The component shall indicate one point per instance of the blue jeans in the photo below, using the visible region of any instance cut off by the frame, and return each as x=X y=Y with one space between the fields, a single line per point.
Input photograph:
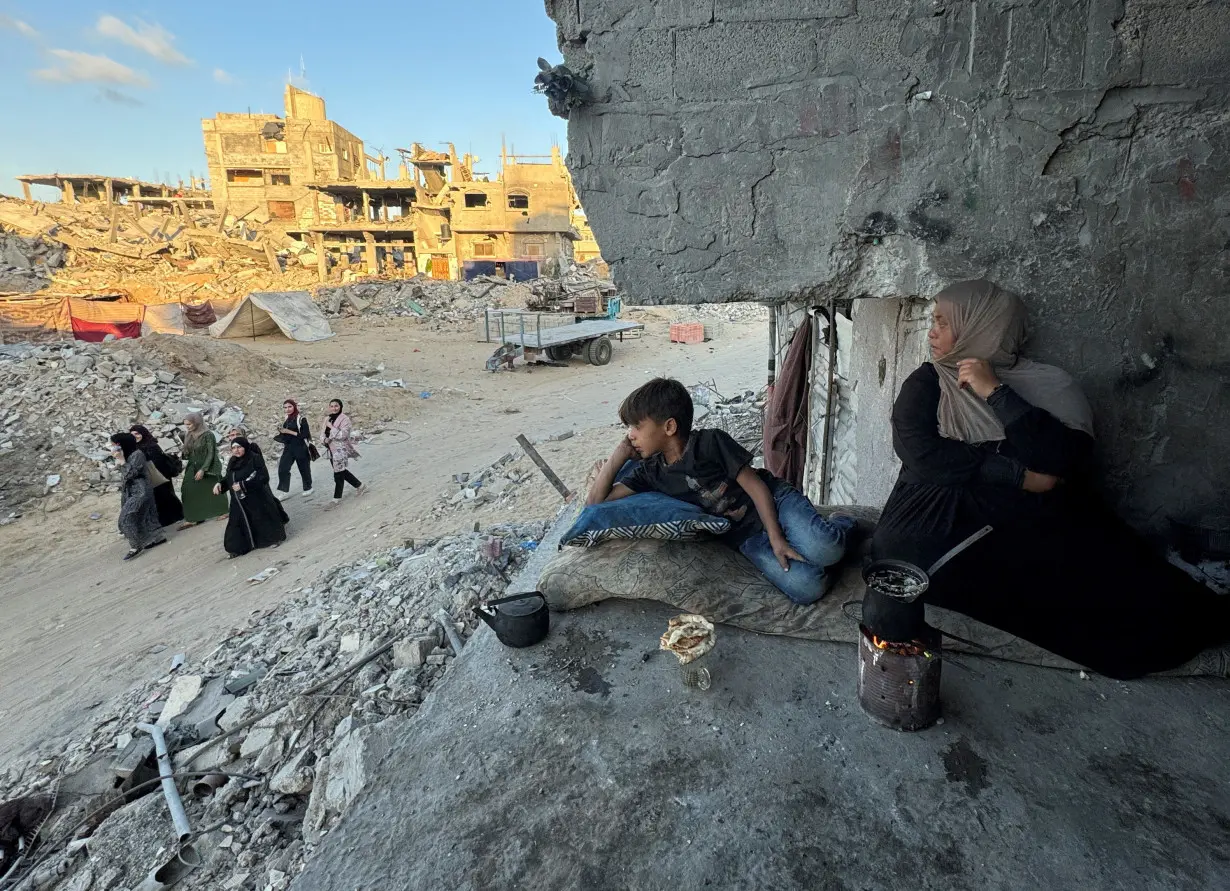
x=822 y=542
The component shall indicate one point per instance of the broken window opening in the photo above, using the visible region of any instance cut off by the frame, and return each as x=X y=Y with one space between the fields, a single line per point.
x=517 y=201
x=484 y=248
x=279 y=178
x=245 y=176
x=476 y=199
x=535 y=250
x=275 y=146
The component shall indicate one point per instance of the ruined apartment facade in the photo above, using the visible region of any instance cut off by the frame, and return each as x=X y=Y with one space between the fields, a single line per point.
x=436 y=216
x=861 y=154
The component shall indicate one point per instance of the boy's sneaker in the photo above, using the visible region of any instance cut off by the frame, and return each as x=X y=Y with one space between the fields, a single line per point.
x=307 y=493
x=333 y=503
x=280 y=495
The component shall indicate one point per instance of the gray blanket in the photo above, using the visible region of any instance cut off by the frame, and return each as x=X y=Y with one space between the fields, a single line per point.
x=720 y=584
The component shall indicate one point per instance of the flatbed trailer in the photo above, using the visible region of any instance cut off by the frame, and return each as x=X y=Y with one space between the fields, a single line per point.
x=521 y=333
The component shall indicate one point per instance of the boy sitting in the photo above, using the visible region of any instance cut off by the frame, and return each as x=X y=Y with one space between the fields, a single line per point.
x=771 y=523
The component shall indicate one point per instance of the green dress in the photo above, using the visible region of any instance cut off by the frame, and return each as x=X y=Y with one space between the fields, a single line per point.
x=200 y=502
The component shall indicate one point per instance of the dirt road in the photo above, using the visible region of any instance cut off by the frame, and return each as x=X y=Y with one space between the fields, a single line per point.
x=78 y=626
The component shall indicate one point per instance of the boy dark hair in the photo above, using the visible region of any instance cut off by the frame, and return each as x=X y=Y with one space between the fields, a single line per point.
x=771 y=523
x=660 y=400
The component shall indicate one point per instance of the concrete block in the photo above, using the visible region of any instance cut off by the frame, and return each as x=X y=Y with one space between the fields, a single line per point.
x=295 y=777
x=139 y=750
x=759 y=11
x=727 y=60
x=633 y=65
x=263 y=734
x=412 y=653
x=637 y=15
x=202 y=716
x=184 y=692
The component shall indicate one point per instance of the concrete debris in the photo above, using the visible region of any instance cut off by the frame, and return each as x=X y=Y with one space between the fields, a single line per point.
x=27 y=264
x=67 y=400
x=295 y=770
x=741 y=416
x=438 y=303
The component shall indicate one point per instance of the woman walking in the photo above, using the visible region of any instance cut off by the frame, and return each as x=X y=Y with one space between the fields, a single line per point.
x=170 y=510
x=257 y=520
x=138 y=521
x=202 y=471
x=295 y=438
x=341 y=450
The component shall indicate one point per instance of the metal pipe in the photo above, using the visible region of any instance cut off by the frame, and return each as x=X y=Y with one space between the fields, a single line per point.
x=772 y=346
x=446 y=623
x=829 y=399
x=174 y=803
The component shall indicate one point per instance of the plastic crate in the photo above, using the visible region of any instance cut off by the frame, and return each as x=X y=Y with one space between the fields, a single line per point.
x=687 y=333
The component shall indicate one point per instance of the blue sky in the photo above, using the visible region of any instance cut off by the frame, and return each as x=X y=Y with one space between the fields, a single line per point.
x=122 y=88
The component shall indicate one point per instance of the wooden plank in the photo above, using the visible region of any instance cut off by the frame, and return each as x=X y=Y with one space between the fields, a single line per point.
x=272 y=256
x=115 y=224
x=543 y=466
x=322 y=262
x=222 y=218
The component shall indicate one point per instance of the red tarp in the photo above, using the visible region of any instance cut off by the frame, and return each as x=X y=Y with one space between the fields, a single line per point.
x=84 y=329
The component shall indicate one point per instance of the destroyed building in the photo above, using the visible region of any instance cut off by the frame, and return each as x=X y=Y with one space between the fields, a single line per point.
x=816 y=155
x=437 y=217
x=112 y=190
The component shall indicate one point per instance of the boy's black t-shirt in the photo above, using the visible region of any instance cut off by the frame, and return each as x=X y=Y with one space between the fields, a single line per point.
x=704 y=476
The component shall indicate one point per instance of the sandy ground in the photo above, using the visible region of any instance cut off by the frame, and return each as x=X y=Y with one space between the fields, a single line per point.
x=78 y=626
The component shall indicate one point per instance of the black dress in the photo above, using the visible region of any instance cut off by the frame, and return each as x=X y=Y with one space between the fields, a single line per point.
x=256 y=518
x=170 y=508
x=1060 y=570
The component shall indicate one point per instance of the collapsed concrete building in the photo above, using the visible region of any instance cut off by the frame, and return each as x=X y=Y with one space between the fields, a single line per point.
x=314 y=178
x=821 y=153
x=112 y=190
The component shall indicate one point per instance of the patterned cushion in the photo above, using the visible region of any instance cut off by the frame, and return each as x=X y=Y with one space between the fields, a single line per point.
x=647 y=515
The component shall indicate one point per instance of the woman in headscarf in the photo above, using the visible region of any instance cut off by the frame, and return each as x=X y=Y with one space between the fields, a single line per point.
x=989 y=437
x=202 y=471
x=341 y=450
x=295 y=438
x=169 y=508
x=242 y=431
x=138 y=520
x=257 y=519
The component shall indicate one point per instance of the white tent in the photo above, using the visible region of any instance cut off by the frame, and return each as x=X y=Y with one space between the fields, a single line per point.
x=264 y=312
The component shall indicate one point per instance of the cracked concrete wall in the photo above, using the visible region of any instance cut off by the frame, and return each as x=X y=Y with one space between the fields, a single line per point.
x=1074 y=150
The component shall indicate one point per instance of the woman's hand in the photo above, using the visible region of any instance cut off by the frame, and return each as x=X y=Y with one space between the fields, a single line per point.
x=235 y=487
x=218 y=489
x=978 y=375
x=1039 y=483
x=199 y=475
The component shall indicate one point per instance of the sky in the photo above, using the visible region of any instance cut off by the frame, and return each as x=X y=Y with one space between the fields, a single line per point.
x=121 y=89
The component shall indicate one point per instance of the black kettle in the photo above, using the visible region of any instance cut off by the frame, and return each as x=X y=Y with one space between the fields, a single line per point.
x=519 y=620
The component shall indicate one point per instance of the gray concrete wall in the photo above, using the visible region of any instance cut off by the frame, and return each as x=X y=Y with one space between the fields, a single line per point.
x=1074 y=150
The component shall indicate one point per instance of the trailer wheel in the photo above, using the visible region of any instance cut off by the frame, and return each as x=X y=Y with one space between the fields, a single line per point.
x=598 y=351
x=559 y=353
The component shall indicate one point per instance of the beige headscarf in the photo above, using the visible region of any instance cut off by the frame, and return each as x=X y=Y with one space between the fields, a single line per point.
x=990 y=323
x=195 y=430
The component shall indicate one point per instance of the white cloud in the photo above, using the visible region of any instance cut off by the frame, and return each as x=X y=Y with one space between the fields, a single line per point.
x=224 y=77
x=74 y=67
x=152 y=39
x=19 y=26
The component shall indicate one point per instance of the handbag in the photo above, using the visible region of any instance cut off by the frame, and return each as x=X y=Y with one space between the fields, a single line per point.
x=156 y=478
x=313 y=452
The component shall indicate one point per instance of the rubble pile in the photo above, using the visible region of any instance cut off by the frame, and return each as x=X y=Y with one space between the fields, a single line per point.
x=741 y=416
x=273 y=723
x=499 y=483
x=579 y=290
x=437 y=302
x=159 y=257
x=27 y=264
x=60 y=405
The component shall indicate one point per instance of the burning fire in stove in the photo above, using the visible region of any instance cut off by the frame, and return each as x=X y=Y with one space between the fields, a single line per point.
x=911 y=648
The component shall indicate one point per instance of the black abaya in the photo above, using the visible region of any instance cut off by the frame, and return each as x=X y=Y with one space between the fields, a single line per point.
x=256 y=518
x=1059 y=570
